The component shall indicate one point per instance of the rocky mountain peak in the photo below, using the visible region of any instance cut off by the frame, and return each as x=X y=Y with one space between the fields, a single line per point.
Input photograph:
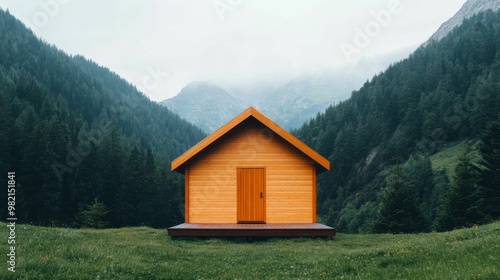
x=201 y=89
x=470 y=8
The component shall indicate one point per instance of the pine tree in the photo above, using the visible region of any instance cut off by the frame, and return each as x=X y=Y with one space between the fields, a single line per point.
x=419 y=170
x=398 y=212
x=5 y=140
x=461 y=206
x=41 y=185
x=442 y=185
x=149 y=193
x=130 y=196
x=95 y=215
x=490 y=176
x=111 y=170
x=169 y=199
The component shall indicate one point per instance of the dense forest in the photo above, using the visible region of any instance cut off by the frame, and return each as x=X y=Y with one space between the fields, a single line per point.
x=381 y=140
x=88 y=149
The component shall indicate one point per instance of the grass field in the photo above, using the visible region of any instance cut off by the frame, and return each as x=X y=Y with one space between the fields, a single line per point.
x=144 y=253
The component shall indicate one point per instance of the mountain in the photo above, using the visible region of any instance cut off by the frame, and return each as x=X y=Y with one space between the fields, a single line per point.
x=299 y=100
x=470 y=8
x=80 y=139
x=205 y=105
x=208 y=106
x=387 y=135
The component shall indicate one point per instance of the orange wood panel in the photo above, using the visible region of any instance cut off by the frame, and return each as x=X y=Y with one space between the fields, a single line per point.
x=186 y=195
x=314 y=194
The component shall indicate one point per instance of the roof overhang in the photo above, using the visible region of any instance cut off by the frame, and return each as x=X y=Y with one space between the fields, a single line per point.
x=321 y=163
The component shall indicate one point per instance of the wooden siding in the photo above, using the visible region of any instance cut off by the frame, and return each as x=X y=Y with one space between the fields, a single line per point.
x=314 y=194
x=213 y=177
x=186 y=195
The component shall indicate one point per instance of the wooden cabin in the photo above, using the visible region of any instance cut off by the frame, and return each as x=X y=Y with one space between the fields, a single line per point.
x=250 y=173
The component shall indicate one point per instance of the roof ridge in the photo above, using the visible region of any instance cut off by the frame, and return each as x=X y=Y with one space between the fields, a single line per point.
x=178 y=163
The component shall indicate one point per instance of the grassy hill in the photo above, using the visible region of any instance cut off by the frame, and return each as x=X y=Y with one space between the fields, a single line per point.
x=447 y=158
x=145 y=253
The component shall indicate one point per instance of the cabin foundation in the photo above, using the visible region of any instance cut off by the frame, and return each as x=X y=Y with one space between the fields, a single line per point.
x=252 y=230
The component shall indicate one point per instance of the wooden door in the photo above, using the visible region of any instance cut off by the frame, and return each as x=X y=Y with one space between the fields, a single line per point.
x=251 y=195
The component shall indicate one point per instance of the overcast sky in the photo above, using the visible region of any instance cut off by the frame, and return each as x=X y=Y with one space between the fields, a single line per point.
x=161 y=45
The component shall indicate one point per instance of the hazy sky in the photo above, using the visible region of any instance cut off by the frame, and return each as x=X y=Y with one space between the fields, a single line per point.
x=161 y=45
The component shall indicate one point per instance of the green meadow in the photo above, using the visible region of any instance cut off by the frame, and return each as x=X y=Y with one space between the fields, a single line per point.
x=145 y=253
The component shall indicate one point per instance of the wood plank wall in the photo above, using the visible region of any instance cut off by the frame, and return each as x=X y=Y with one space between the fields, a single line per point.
x=212 y=177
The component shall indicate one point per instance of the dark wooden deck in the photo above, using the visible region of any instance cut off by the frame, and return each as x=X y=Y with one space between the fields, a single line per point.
x=251 y=230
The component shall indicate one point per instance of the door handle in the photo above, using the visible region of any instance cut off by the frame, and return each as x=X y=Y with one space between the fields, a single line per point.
x=260 y=194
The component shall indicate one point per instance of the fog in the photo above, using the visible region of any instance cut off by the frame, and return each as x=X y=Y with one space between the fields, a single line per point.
x=160 y=46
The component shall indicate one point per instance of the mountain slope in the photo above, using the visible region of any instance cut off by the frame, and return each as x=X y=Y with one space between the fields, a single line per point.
x=76 y=133
x=470 y=8
x=444 y=92
x=205 y=105
x=299 y=100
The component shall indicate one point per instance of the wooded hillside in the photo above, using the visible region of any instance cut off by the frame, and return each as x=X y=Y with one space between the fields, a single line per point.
x=86 y=146
x=382 y=137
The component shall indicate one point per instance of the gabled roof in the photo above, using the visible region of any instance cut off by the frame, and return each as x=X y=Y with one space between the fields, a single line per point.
x=179 y=163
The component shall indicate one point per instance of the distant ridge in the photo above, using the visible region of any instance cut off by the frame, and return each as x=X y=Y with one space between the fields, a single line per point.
x=208 y=106
x=470 y=8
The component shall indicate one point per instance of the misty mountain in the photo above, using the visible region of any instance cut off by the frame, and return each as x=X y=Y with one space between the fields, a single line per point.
x=470 y=8
x=299 y=100
x=208 y=106
x=205 y=105
x=289 y=104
